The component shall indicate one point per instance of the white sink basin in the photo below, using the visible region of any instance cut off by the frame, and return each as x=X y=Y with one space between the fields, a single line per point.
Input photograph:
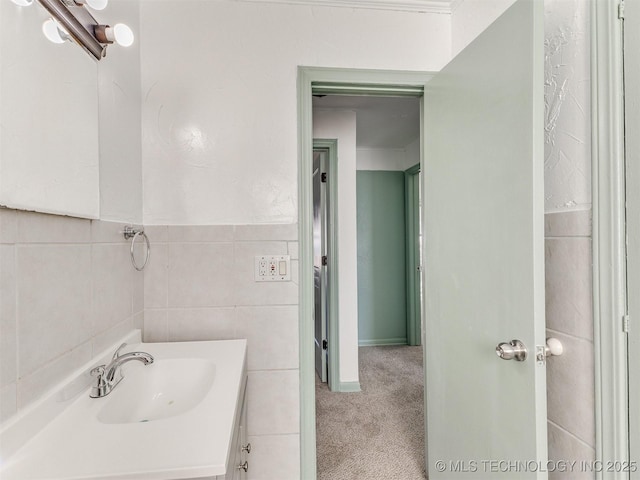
x=163 y=389
x=170 y=419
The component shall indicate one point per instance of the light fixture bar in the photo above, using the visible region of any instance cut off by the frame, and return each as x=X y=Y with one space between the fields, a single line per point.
x=72 y=25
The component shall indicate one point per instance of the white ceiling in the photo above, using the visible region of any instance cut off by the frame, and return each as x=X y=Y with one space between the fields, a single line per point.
x=382 y=122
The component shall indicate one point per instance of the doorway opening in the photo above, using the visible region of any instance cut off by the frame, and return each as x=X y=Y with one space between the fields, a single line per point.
x=330 y=81
x=483 y=117
x=377 y=140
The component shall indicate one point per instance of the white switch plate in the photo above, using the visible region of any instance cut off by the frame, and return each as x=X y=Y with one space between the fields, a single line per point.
x=273 y=268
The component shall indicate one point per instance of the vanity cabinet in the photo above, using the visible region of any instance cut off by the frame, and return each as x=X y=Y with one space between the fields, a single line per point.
x=238 y=461
x=240 y=447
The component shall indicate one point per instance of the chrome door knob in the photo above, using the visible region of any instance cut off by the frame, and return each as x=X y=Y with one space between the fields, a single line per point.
x=513 y=350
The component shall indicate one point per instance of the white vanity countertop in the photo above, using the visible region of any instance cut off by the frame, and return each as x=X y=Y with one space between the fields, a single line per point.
x=77 y=445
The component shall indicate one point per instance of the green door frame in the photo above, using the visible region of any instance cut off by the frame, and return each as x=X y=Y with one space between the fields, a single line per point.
x=411 y=194
x=332 y=80
x=609 y=239
x=632 y=183
x=333 y=335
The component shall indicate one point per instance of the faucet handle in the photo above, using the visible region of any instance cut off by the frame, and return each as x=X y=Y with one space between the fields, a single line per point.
x=100 y=388
x=117 y=352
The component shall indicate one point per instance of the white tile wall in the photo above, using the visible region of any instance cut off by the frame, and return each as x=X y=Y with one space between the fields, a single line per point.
x=199 y=285
x=272 y=336
x=113 y=292
x=570 y=386
x=565 y=447
x=568 y=224
x=568 y=286
x=200 y=275
x=8 y=325
x=212 y=323
x=8 y=401
x=274 y=404
x=155 y=325
x=67 y=291
x=8 y=225
x=274 y=457
x=156 y=275
x=53 y=302
x=36 y=384
x=570 y=377
x=34 y=228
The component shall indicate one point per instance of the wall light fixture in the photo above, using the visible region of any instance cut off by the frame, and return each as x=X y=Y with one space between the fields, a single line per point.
x=70 y=20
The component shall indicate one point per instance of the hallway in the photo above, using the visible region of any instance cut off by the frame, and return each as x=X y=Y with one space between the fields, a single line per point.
x=377 y=433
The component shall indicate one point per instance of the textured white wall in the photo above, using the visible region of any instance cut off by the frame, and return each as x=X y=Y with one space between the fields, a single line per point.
x=341 y=125
x=567 y=106
x=567 y=92
x=219 y=97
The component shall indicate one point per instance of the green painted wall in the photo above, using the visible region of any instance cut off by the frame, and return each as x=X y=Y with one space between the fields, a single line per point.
x=382 y=296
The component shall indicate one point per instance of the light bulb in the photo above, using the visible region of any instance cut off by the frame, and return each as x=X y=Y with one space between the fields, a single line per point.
x=119 y=33
x=123 y=35
x=97 y=4
x=54 y=32
x=22 y=3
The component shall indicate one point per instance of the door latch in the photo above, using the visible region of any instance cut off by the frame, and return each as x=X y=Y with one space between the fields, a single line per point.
x=553 y=347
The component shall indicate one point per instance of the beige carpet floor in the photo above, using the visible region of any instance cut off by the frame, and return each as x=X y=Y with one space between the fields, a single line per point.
x=378 y=433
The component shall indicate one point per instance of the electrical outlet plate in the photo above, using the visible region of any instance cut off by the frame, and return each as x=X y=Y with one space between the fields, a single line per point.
x=272 y=268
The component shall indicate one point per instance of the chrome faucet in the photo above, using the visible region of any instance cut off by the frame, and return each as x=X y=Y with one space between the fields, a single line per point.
x=110 y=375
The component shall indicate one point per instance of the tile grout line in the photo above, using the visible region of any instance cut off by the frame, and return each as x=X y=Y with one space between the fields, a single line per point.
x=560 y=427
x=590 y=340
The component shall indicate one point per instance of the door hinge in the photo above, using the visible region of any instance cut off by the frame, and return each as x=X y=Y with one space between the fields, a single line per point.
x=621 y=10
x=625 y=323
x=323 y=177
x=325 y=261
x=325 y=344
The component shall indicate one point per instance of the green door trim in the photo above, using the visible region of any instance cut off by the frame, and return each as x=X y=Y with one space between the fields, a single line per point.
x=306 y=76
x=609 y=225
x=333 y=319
x=632 y=184
x=412 y=256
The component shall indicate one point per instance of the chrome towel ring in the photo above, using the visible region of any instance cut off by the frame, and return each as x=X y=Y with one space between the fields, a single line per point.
x=132 y=233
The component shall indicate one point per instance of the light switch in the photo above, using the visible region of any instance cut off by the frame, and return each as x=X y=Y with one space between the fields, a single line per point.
x=272 y=268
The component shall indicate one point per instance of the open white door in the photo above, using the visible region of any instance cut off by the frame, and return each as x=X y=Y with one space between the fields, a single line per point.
x=484 y=254
x=319 y=266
